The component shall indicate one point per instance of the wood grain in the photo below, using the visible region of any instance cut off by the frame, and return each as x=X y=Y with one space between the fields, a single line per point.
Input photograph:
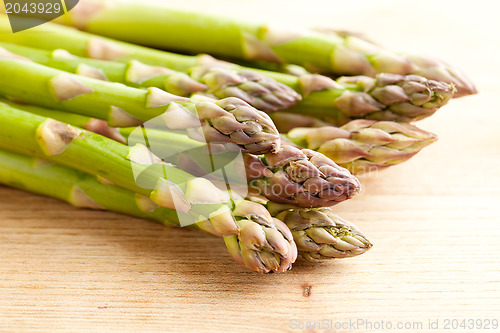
x=434 y=221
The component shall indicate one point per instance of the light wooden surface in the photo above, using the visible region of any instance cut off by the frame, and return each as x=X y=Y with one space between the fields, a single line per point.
x=434 y=221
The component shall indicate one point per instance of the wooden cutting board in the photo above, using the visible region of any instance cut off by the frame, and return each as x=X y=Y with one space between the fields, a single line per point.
x=434 y=222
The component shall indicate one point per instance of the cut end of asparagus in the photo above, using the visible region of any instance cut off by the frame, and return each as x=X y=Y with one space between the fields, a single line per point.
x=303 y=177
x=65 y=87
x=54 y=137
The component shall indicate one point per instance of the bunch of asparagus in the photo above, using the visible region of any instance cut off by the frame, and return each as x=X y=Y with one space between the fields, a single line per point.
x=105 y=124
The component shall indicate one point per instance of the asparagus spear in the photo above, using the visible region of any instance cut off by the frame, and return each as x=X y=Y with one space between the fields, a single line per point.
x=256 y=240
x=359 y=146
x=133 y=168
x=227 y=120
x=212 y=78
x=322 y=96
x=364 y=145
x=302 y=177
x=385 y=97
x=95 y=125
x=428 y=66
x=161 y=27
x=318 y=232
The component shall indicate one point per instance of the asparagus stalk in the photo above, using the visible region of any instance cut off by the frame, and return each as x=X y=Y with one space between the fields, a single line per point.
x=322 y=96
x=360 y=146
x=294 y=176
x=227 y=120
x=428 y=66
x=95 y=125
x=364 y=145
x=318 y=232
x=390 y=97
x=161 y=27
x=301 y=177
x=132 y=168
x=256 y=240
x=211 y=78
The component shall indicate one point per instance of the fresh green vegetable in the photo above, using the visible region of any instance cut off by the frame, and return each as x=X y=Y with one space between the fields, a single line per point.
x=196 y=32
x=254 y=239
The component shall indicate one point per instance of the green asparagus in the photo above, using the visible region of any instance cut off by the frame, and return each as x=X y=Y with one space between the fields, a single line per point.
x=386 y=97
x=318 y=232
x=157 y=26
x=301 y=177
x=132 y=168
x=227 y=120
x=212 y=78
x=364 y=145
x=255 y=239
x=430 y=67
x=295 y=176
x=359 y=146
x=322 y=96
x=95 y=125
